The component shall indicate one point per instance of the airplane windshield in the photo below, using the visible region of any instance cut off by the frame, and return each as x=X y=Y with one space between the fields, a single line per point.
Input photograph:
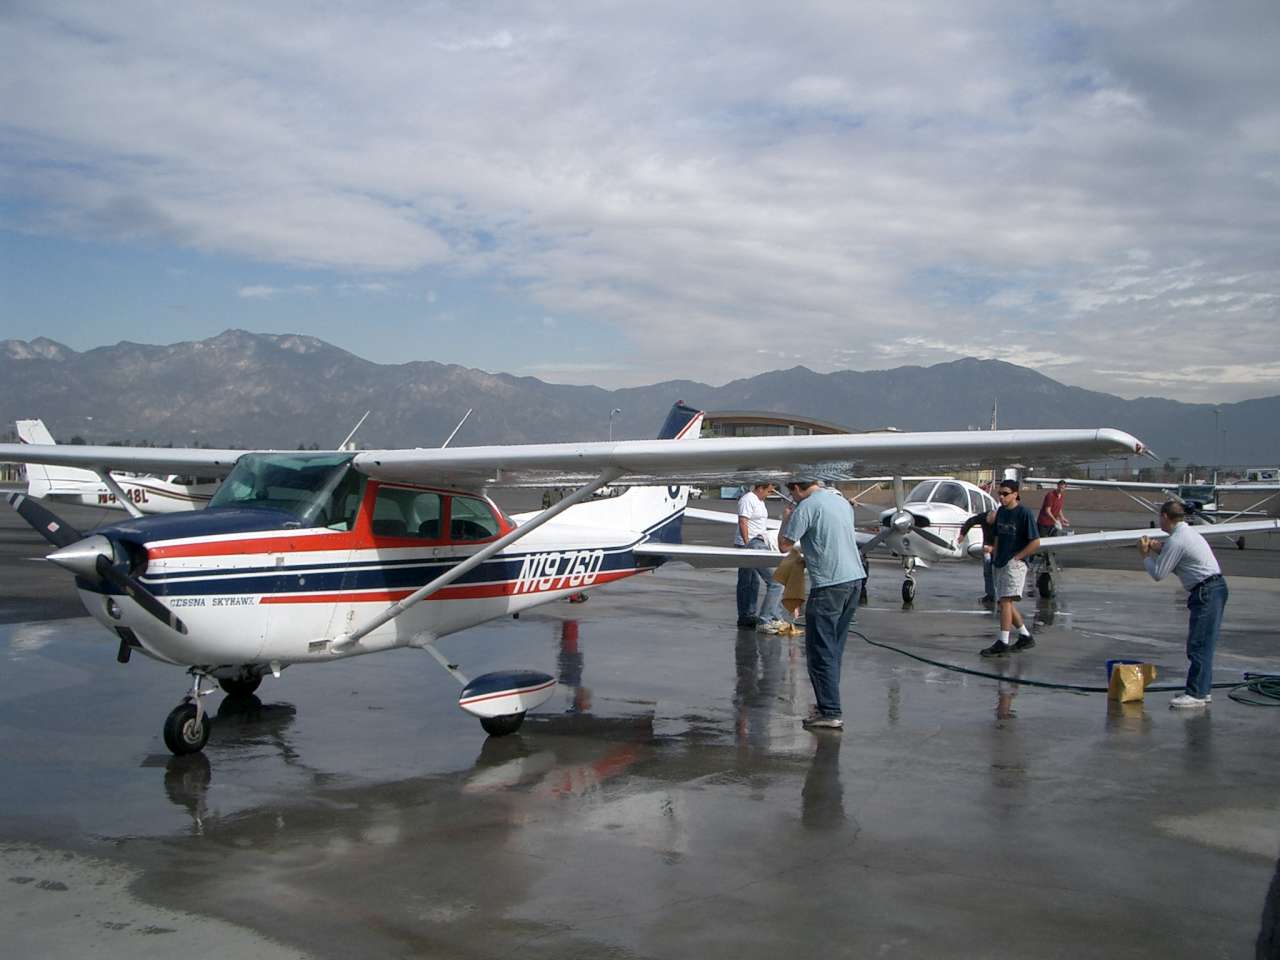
x=951 y=493
x=321 y=490
x=920 y=492
x=1199 y=492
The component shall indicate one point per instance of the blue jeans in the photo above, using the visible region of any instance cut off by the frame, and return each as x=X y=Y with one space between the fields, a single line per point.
x=988 y=577
x=749 y=580
x=827 y=615
x=1206 y=604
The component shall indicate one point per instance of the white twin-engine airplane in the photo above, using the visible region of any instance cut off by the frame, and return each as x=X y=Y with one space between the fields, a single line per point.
x=133 y=493
x=315 y=557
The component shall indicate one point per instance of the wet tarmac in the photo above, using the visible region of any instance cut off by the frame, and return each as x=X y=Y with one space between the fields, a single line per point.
x=666 y=801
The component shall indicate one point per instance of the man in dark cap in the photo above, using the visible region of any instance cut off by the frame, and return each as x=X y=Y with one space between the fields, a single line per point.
x=822 y=523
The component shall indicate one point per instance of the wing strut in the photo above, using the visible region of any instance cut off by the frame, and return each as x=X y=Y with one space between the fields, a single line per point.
x=606 y=477
x=121 y=497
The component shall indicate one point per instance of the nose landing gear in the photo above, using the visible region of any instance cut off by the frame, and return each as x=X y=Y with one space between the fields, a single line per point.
x=186 y=729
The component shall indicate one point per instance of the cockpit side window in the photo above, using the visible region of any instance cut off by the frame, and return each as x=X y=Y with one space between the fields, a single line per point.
x=951 y=493
x=472 y=519
x=400 y=512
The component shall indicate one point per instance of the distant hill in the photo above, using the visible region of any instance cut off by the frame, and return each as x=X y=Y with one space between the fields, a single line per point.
x=246 y=389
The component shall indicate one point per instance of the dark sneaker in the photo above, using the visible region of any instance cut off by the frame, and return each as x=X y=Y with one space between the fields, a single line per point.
x=1024 y=643
x=747 y=623
x=986 y=599
x=997 y=649
x=820 y=721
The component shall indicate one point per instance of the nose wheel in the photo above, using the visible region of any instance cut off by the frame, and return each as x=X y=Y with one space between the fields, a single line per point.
x=186 y=729
x=909 y=590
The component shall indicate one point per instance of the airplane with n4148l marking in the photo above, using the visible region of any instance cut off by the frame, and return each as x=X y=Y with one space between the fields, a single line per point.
x=316 y=557
x=99 y=487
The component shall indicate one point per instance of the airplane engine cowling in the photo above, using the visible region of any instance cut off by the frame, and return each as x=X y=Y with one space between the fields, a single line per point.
x=505 y=692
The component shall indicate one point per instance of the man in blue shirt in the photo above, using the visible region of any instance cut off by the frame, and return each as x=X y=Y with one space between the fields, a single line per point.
x=1016 y=539
x=822 y=523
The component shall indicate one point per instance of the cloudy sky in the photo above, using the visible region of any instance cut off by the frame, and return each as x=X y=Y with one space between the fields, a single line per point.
x=610 y=193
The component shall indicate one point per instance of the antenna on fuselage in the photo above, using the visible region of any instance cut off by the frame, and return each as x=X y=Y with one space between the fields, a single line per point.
x=344 y=444
x=457 y=428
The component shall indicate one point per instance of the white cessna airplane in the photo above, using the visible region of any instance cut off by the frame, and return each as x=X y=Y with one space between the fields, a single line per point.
x=308 y=557
x=104 y=488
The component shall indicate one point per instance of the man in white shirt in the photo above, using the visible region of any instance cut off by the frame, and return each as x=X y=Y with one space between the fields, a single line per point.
x=753 y=526
x=1188 y=555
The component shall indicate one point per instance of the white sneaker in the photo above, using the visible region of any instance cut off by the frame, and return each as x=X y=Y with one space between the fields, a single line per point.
x=774 y=626
x=1185 y=701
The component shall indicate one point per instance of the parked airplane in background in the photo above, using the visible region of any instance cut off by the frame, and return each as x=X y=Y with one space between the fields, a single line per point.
x=1202 y=501
x=922 y=527
x=135 y=493
x=313 y=557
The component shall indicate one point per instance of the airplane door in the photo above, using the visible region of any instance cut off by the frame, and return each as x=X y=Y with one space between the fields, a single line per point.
x=398 y=538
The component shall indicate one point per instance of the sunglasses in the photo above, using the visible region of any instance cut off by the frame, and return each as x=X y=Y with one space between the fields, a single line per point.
x=1007 y=493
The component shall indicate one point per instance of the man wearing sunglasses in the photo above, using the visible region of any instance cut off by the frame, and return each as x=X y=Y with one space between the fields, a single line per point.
x=1016 y=539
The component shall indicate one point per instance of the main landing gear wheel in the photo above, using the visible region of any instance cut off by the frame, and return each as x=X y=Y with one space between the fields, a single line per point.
x=908 y=591
x=1044 y=584
x=186 y=730
x=240 y=687
x=501 y=726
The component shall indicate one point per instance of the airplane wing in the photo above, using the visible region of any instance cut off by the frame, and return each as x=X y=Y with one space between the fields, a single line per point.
x=1042 y=482
x=830 y=457
x=723 y=516
x=155 y=460
x=1119 y=537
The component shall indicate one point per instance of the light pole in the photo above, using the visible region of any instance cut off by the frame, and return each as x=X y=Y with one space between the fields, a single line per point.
x=1217 y=414
x=613 y=413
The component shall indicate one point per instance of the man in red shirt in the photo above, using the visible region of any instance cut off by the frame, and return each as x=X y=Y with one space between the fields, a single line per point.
x=1051 y=518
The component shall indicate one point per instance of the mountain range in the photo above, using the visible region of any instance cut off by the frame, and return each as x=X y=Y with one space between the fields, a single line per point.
x=242 y=389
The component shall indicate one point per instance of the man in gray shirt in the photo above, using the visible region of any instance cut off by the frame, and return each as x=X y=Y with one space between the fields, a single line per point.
x=1187 y=554
x=823 y=524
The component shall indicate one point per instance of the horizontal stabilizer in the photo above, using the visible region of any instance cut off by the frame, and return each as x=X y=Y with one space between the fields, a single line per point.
x=700 y=556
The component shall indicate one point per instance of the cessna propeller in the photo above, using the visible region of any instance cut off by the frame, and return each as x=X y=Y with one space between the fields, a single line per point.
x=93 y=557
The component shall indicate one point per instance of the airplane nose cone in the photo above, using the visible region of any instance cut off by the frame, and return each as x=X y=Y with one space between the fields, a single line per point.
x=902 y=521
x=81 y=558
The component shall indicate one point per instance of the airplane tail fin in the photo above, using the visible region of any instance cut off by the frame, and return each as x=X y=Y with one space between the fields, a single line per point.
x=44 y=480
x=656 y=511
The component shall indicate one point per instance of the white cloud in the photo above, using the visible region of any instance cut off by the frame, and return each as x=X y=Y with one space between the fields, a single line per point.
x=847 y=183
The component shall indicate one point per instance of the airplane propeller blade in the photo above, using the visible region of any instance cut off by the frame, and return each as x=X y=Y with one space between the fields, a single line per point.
x=138 y=593
x=933 y=538
x=44 y=521
x=878 y=539
x=95 y=556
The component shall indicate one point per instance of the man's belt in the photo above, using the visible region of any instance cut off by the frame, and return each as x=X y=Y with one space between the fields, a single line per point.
x=1207 y=580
